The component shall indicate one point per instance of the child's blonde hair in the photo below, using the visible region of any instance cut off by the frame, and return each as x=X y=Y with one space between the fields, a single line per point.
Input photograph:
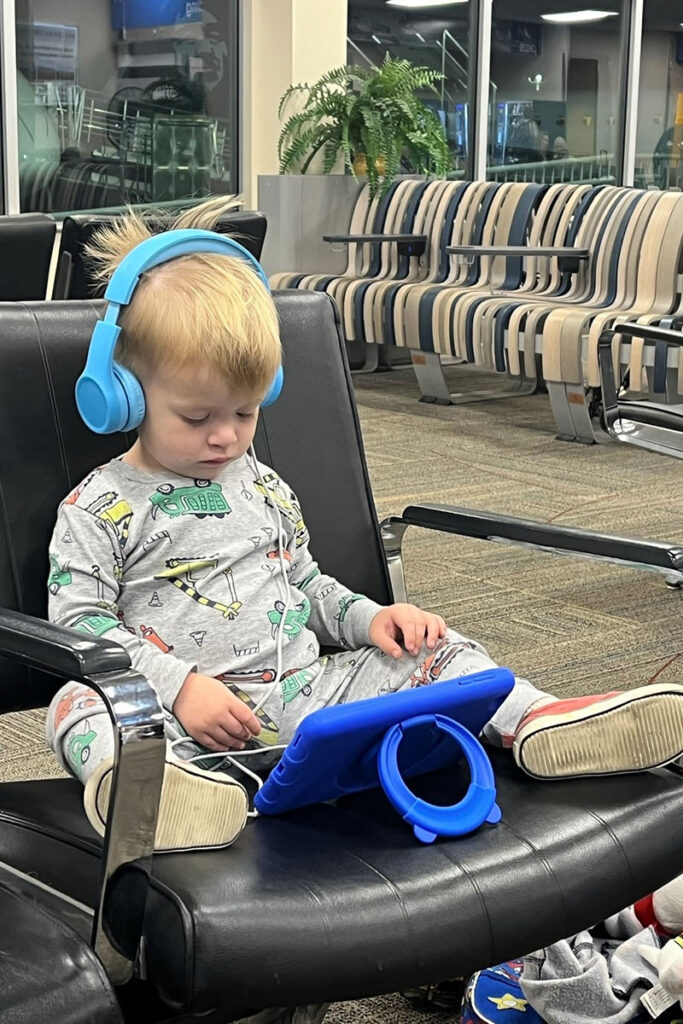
x=199 y=307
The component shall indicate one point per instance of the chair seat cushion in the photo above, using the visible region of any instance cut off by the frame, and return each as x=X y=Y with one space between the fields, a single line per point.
x=47 y=970
x=339 y=901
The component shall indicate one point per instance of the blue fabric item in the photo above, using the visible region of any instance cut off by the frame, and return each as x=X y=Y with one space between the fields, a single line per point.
x=494 y=996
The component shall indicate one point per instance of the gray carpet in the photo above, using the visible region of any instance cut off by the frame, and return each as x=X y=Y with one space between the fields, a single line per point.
x=571 y=626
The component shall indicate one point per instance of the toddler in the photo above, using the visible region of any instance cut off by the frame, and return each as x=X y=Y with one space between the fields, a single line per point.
x=194 y=556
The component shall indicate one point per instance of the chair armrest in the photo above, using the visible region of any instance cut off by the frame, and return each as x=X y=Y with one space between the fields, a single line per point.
x=648 y=331
x=139 y=751
x=643 y=424
x=408 y=245
x=568 y=258
x=657 y=556
x=63 y=652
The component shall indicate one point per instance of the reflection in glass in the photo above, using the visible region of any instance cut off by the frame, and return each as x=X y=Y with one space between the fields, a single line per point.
x=127 y=101
x=433 y=37
x=659 y=138
x=553 y=107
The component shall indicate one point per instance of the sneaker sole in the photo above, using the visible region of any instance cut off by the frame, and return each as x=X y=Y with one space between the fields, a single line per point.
x=632 y=732
x=195 y=812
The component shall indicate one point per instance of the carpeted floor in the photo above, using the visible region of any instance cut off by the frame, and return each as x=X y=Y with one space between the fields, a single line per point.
x=570 y=625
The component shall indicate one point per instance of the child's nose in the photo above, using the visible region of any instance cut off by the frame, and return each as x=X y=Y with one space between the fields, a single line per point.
x=222 y=436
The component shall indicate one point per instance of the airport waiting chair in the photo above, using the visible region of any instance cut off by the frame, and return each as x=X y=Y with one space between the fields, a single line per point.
x=25 y=251
x=477 y=325
x=633 y=244
x=365 y=216
x=385 y=240
x=48 y=972
x=328 y=902
x=72 y=277
x=640 y=366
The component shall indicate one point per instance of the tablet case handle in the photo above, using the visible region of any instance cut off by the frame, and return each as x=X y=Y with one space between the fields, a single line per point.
x=432 y=820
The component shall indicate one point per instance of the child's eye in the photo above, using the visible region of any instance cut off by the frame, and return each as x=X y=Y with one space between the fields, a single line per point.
x=191 y=419
x=247 y=415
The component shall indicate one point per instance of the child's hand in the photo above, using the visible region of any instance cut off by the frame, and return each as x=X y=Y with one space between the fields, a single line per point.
x=408 y=623
x=214 y=716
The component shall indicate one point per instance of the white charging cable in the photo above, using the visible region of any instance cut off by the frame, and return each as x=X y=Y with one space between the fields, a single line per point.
x=231 y=755
x=281 y=542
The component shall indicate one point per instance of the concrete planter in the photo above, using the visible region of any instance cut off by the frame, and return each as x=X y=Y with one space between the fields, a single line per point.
x=301 y=208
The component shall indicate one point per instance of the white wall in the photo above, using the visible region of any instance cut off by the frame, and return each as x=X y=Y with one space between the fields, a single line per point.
x=283 y=42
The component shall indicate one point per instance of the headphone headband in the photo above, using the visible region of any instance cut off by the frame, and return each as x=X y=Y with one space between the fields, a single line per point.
x=169 y=245
x=108 y=395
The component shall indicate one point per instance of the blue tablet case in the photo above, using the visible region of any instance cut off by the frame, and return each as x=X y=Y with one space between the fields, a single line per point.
x=335 y=750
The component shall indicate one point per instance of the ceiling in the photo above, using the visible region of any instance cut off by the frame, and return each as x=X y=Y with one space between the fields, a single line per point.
x=659 y=14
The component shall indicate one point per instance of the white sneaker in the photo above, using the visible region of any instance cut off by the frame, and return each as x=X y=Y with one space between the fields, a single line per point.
x=197 y=809
x=604 y=734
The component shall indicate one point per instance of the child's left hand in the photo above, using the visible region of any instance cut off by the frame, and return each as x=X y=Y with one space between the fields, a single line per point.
x=408 y=623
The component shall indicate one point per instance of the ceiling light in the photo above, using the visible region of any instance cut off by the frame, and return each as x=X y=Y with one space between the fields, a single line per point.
x=574 y=17
x=420 y=4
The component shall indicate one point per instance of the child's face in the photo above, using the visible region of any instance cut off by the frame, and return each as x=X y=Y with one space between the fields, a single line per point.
x=195 y=424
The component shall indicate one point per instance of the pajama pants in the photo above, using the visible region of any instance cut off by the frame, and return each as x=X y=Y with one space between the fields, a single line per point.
x=81 y=733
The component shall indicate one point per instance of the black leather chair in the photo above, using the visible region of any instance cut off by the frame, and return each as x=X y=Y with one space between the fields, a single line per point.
x=325 y=903
x=72 y=279
x=25 y=251
x=48 y=972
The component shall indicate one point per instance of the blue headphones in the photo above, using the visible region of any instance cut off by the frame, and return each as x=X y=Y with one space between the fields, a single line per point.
x=108 y=395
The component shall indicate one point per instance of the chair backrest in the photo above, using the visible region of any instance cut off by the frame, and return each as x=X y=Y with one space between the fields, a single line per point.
x=311 y=436
x=25 y=251
x=73 y=280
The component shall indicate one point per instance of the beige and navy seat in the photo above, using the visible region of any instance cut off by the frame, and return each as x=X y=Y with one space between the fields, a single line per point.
x=365 y=216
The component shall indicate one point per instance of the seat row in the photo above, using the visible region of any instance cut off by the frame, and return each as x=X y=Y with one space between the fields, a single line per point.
x=28 y=243
x=538 y=272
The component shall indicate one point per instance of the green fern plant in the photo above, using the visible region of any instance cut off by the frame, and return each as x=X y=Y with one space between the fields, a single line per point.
x=353 y=110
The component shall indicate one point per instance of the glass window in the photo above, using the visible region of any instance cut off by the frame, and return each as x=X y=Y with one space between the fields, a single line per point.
x=429 y=36
x=659 y=139
x=125 y=101
x=554 y=94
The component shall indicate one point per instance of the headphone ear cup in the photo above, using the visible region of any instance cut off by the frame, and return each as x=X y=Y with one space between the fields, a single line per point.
x=133 y=395
x=274 y=389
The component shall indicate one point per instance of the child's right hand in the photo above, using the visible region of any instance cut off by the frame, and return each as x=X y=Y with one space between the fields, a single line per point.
x=214 y=716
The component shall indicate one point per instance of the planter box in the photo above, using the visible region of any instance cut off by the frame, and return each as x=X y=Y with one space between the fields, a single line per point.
x=301 y=208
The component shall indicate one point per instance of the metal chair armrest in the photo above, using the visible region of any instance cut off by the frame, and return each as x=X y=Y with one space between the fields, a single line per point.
x=631 y=422
x=561 y=540
x=408 y=245
x=64 y=652
x=139 y=751
x=651 y=332
x=567 y=256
